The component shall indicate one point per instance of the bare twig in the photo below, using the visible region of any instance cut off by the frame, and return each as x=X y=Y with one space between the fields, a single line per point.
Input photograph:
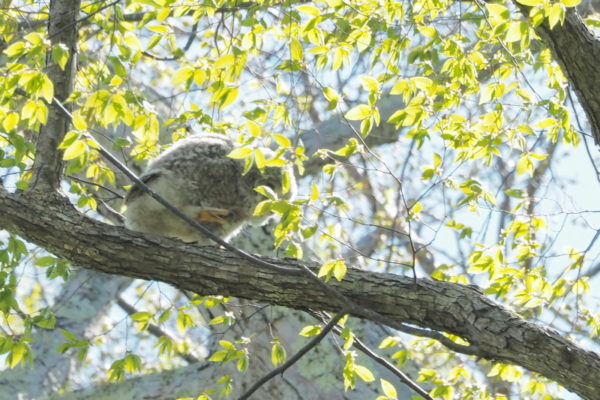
x=281 y=369
x=155 y=330
x=380 y=360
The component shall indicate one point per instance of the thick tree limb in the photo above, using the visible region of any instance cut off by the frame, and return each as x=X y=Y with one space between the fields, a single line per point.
x=496 y=333
x=62 y=30
x=577 y=51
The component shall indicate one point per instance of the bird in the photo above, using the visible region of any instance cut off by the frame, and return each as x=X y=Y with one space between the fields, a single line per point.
x=198 y=178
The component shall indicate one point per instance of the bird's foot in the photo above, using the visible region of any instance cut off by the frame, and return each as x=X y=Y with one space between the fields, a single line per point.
x=211 y=214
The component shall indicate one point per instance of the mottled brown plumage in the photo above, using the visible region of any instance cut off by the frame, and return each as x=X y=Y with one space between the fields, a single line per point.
x=197 y=177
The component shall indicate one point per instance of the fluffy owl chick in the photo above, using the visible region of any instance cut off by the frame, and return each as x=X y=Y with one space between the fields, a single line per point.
x=197 y=177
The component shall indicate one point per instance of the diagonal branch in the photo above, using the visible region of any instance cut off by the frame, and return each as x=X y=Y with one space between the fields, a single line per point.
x=381 y=361
x=493 y=331
x=305 y=349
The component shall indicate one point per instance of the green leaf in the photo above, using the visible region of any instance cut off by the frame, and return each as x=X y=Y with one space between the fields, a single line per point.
x=296 y=50
x=332 y=96
x=254 y=129
x=339 y=270
x=240 y=152
x=555 y=14
x=369 y=83
x=326 y=269
x=225 y=61
x=75 y=150
x=60 y=55
x=531 y=3
x=47 y=89
x=141 y=316
x=278 y=353
x=17 y=354
x=309 y=10
x=183 y=75
x=45 y=261
x=10 y=121
x=68 y=335
x=132 y=363
x=282 y=140
x=259 y=159
x=314 y=192
x=310 y=330
x=364 y=373
x=388 y=389
x=546 y=123
x=515 y=31
x=359 y=112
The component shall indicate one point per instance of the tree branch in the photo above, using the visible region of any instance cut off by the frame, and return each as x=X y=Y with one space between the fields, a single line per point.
x=495 y=332
x=577 y=51
x=292 y=360
x=62 y=30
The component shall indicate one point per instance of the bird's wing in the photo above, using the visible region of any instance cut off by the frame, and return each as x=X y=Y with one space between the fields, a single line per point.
x=147 y=177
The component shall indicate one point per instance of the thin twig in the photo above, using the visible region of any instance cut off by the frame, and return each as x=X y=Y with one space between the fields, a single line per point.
x=382 y=361
x=156 y=330
x=281 y=369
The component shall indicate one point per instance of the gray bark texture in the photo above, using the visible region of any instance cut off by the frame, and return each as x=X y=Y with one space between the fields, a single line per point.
x=493 y=331
x=62 y=30
x=577 y=51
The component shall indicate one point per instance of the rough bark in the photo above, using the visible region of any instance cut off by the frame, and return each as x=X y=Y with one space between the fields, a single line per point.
x=492 y=331
x=62 y=30
x=577 y=51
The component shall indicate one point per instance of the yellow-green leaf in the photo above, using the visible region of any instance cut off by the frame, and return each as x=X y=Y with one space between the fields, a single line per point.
x=388 y=389
x=339 y=271
x=309 y=10
x=546 y=123
x=310 y=330
x=259 y=159
x=281 y=140
x=359 y=112
x=60 y=55
x=47 y=89
x=240 y=152
x=163 y=14
x=326 y=269
x=364 y=373
x=226 y=61
x=514 y=32
x=278 y=354
x=369 y=83
x=15 y=49
x=10 y=121
x=530 y=3
x=78 y=121
x=296 y=50
x=183 y=75
x=199 y=77
x=555 y=14
x=254 y=129
x=16 y=354
x=314 y=192
x=76 y=149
